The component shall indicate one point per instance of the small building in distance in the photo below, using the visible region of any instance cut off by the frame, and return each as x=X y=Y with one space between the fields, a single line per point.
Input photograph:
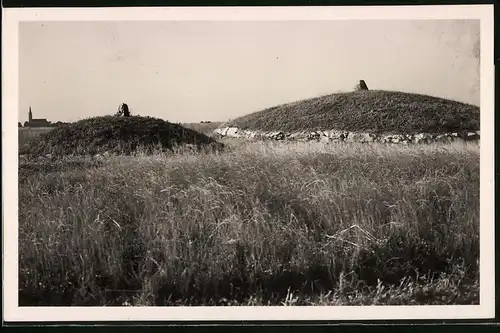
x=33 y=122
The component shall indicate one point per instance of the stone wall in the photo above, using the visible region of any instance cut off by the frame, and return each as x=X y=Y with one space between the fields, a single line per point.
x=346 y=136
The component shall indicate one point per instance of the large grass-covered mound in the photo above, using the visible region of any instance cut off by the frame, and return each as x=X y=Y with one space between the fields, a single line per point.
x=374 y=111
x=116 y=135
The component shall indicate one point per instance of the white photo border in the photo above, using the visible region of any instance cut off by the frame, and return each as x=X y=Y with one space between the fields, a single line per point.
x=10 y=34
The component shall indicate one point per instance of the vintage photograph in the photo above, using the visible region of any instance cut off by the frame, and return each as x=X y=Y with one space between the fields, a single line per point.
x=264 y=163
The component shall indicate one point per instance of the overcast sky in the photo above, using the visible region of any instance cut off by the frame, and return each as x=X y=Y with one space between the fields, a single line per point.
x=192 y=71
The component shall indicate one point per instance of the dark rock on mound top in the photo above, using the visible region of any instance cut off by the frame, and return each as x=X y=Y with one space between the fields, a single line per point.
x=122 y=135
x=362 y=85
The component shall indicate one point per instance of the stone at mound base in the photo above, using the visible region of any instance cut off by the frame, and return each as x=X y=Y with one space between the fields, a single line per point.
x=422 y=138
x=336 y=135
x=314 y=136
x=443 y=138
x=233 y=132
x=276 y=135
x=296 y=136
x=360 y=137
x=250 y=134
x=222 y=131
x=324 y=138
x=346 y=136
x=469 y=136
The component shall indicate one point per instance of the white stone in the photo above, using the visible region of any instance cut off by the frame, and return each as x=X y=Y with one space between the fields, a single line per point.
x=232 y=132
x=352 y=137
x=314 y=136
x=277 y=135
x=442 y=138
x=252 y=134
x=334 y=134
x=421 y=138
x=222 y=131
x=471 y=136
x=324 y=138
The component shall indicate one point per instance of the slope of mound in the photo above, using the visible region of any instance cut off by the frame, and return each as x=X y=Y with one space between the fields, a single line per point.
x=373 y=111
x=116 y=134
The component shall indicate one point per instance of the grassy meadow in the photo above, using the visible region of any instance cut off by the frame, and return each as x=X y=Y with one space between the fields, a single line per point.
x=26 y=133
x=261 y=223
x=205 y=128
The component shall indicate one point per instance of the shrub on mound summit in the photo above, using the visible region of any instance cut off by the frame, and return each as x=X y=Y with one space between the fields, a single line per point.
x=118 y=135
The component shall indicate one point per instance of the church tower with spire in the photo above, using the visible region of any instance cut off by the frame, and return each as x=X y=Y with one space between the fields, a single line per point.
x=34 y=122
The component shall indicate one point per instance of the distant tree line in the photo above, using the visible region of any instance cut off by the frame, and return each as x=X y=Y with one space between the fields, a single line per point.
x=50 y=124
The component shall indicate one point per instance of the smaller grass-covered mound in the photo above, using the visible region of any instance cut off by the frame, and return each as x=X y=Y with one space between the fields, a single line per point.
x=112 y=134
x=373 y=111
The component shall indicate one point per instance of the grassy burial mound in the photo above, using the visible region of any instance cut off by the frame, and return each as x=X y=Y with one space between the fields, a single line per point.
x=369 y=111
x=113 y=134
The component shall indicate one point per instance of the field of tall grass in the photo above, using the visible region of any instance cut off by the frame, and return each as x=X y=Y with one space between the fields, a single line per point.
x=205 y=128
x=27 y=133
x=260 y=224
